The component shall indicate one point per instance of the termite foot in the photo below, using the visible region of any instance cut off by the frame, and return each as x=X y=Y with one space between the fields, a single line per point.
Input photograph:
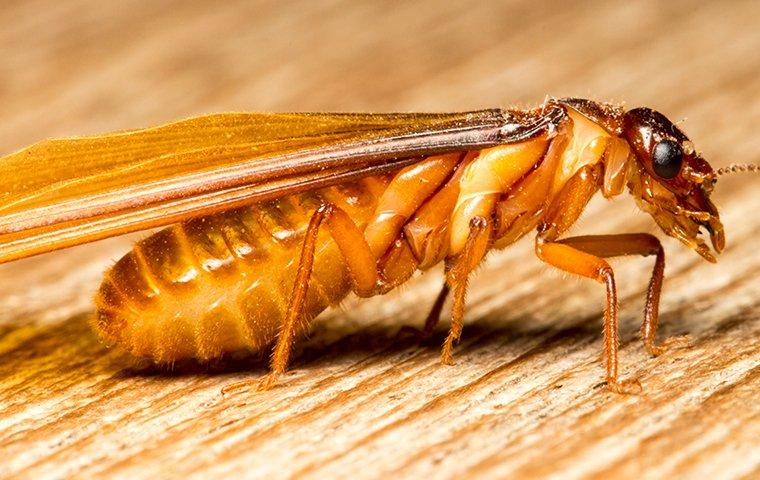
x=267 y=382
x=670 y=343
x=626 y=387
x=446 y=358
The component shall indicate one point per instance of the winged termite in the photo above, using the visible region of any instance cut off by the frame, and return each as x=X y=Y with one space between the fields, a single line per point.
x=246 y=262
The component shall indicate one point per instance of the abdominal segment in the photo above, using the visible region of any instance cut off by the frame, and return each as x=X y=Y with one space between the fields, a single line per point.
x=222 y=283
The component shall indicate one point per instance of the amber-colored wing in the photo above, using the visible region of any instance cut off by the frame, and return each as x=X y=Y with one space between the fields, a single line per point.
x=59 y=193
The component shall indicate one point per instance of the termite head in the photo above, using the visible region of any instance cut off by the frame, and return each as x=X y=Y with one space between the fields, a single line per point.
x=671 y=181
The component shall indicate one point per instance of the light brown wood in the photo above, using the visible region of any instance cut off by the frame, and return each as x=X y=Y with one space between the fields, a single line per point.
x=523 y=400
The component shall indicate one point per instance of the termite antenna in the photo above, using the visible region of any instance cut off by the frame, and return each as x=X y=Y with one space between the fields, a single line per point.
x=738 y=168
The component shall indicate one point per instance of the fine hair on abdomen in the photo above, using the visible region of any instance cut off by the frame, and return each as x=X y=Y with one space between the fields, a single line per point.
x=221 y=283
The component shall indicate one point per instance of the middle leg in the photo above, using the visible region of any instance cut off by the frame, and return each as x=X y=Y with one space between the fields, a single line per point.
x=574 y=260
x=361 y=266
x=644 y=244
x=457 y=277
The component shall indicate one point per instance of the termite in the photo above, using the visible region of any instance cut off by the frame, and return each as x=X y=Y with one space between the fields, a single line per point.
x=247 y=262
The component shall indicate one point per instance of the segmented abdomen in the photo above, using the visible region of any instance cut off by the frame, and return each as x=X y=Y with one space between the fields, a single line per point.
x=221 y=283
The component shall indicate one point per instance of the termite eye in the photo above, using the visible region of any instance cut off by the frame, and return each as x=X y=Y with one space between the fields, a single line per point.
x=667 y=158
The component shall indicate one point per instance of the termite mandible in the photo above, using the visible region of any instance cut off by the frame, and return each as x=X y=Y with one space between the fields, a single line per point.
x=246 y=263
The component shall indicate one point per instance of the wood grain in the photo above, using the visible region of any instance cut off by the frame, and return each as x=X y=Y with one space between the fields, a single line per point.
x=524 y=399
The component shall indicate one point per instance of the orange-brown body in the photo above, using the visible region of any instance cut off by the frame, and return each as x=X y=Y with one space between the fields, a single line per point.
x=247 y=262
x=221 y=283
x=255 y=275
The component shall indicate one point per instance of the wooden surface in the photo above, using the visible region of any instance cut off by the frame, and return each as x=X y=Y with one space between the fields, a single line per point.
x=524 y=399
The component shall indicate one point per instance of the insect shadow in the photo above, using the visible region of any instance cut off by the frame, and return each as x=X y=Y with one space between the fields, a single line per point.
x=382 y=342
x=74 y=345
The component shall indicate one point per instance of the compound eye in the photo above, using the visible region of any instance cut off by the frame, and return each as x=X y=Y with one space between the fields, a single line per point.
x=667 y=158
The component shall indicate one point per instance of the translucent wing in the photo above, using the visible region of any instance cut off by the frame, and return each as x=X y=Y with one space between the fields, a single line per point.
x=59 y=193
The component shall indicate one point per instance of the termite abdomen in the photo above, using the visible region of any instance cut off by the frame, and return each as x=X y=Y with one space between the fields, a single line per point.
x=221 y=283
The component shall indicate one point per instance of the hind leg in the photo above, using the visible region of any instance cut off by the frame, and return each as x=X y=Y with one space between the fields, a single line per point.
x=362 y=269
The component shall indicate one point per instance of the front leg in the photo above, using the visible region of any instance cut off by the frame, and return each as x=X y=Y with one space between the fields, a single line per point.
x=572 y=260
x=561 y=215
x=644 y=244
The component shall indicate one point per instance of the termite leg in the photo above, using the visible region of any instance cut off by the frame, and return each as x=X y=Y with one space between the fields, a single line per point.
x=361 y=265
x=432 y=319
x=573 y=260
x=457 y=276
x=563 y=213
x=643 y=244
x=652 y=309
